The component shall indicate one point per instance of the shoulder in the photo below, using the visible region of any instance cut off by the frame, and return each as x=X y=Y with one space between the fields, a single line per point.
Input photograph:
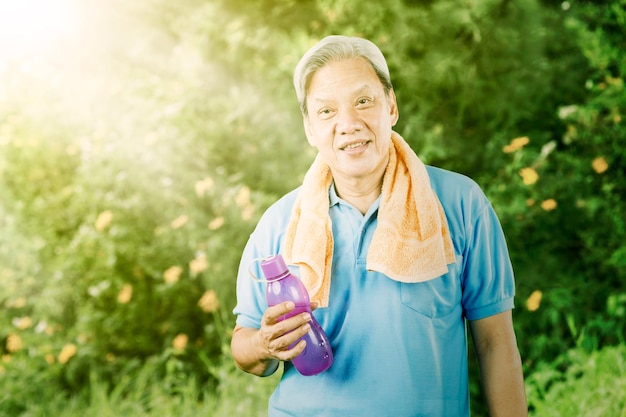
x=464 y=203
x=284 y=204
x=278 y=214
x=455 y=190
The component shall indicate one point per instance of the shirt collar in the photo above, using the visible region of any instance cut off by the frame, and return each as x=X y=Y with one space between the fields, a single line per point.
x=332 y=195
x=334 y=199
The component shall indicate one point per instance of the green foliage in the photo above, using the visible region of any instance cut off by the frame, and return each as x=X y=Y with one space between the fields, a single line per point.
x=26 y=382
x=579 y=383
x=138 y=220
x=138 y=391
x=131 y=177
x=562 y=199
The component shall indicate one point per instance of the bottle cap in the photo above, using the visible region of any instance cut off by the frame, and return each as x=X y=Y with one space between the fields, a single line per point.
x=274 y=267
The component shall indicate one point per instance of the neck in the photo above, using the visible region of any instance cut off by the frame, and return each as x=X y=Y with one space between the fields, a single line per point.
x=361 y=193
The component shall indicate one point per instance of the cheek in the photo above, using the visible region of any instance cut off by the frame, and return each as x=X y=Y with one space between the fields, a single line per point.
x=311 y=132
x=319 y=133
x=309 y=135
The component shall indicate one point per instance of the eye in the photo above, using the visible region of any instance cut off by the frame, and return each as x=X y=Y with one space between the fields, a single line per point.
x=364 y=102
x=325 y=112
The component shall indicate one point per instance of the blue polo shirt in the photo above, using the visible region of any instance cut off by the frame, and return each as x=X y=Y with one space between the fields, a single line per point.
x=400 y=349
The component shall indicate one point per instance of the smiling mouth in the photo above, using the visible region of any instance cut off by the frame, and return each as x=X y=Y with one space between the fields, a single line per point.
x=354 y=145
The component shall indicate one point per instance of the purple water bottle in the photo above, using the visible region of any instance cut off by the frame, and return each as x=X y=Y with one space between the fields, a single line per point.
x=283 y=286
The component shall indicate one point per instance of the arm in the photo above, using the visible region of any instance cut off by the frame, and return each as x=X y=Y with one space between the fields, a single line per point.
x=258 y=351
x=500 y=365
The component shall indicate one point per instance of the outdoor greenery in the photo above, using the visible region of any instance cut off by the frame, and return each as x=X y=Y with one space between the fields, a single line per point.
x=141 y=141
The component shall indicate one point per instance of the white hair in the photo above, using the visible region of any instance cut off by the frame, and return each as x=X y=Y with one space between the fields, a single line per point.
x=337 y=48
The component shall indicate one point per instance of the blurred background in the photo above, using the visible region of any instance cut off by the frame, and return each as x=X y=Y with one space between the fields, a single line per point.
x=141 y=140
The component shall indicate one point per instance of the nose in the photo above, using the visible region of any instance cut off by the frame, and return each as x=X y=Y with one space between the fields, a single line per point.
x=349 y=121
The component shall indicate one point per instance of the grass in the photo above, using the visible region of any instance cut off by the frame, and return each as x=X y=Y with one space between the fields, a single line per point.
x=579 y=383
x=143 y=395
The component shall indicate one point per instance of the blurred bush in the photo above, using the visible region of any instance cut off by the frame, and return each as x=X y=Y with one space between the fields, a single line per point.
x=580 y=383
x=562 y=198
x=123 y=228
x=131 y=176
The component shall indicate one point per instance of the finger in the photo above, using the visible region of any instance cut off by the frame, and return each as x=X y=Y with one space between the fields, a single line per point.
x=273 y=313
x=278 y=343
x=276 y=338
x=292 y=322
x=287 y=326
x=289 y=346
x=295 y=351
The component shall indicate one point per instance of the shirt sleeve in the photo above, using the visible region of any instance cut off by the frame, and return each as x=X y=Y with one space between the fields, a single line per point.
x=488 y=280
x=251 y=301
x=266 y=240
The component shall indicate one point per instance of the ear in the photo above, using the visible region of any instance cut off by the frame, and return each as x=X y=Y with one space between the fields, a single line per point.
x=308 y=130
x=393 y=107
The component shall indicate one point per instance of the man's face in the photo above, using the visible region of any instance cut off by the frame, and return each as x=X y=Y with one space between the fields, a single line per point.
x=350 y=118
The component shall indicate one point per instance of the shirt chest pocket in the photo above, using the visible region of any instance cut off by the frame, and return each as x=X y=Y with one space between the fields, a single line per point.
x=435 y=298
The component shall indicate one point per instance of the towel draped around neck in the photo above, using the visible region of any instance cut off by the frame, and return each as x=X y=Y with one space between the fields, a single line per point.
x=411 y=242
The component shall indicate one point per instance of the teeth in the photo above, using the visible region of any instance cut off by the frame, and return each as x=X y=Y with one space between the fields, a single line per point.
x=355 y=145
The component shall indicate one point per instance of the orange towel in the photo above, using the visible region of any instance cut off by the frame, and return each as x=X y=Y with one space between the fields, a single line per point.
x=410 y=244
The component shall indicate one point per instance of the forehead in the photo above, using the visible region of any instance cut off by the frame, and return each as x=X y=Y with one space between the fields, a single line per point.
x=344 y=76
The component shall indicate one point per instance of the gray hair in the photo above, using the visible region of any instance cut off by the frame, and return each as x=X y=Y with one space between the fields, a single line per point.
x=337 y=48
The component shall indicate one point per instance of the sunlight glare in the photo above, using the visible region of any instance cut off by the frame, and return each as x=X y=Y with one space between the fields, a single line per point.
x=32 y=26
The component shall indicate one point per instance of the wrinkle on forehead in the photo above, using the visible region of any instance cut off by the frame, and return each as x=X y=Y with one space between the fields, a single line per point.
x=359 y=91
x=355 y=73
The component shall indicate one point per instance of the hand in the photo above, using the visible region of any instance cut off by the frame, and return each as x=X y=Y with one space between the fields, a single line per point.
x=275 y=337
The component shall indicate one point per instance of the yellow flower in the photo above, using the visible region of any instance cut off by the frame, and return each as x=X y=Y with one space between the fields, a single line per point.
x=247 y=212
x=180 y=341
x=198 y=265
x=23 y=323
x=49 y=358
x=209 y=302
x=242 y=198
x=529 y=175
x=203 y=186
x=179 y=222
x=172 y=274
x=67 y=353
x=600 y=165
x=126 y=294
x=516 y=144
x=18 y=303
x=104 y=220
x=14 y=343
x=534 y=301
x=216 y=223
x=549 y=204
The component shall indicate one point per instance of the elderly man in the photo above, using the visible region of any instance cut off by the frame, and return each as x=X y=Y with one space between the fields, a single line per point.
x=397 y=256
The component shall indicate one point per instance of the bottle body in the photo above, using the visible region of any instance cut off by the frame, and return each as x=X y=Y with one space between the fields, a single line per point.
x=283 y=286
